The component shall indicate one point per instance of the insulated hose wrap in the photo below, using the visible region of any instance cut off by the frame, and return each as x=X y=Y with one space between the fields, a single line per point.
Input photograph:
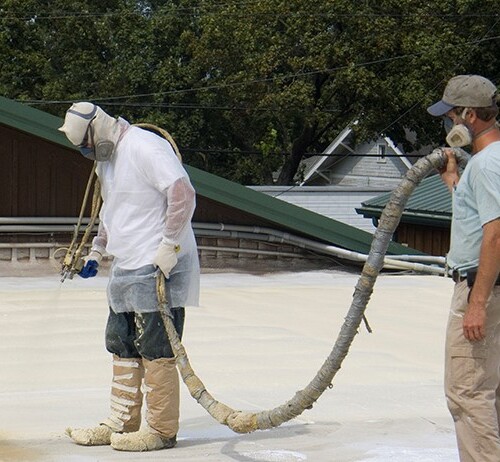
x=246 y=422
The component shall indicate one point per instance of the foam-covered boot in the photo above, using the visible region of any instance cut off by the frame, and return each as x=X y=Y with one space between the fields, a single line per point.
x=126 y=402
x=99 y=435
x=162 y=398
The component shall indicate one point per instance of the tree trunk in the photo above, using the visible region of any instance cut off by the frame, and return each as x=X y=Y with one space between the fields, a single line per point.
x=292 y=163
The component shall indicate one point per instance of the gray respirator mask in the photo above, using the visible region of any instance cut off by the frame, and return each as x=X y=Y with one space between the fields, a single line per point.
x=100 y=151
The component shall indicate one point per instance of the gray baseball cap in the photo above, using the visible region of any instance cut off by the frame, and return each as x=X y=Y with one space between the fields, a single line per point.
x=465 y=91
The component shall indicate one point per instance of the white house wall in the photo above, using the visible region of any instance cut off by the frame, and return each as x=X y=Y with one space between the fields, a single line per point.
x=330 y=201
x=369 y=167
x=365 y=169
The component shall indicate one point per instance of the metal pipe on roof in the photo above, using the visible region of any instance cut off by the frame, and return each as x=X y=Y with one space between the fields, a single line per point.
x=48 y=245
x=27 y=245
x=272 y=235
x=39 y=224
x=249 y=251
x=39 y=220
x=438 y=260
x=407 y=262
x=38 y=228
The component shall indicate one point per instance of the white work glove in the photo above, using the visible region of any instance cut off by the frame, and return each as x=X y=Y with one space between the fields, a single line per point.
x=95 y=254
x=166 y=256
x=91 y=264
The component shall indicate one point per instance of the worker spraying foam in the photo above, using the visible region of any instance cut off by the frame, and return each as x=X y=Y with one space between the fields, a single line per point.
x=145 y=225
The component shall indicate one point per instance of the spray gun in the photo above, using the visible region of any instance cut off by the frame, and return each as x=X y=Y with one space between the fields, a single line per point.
x=72 y=264
x=73 y=261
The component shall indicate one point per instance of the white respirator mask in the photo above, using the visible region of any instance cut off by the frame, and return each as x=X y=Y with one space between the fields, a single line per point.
x=459 y=135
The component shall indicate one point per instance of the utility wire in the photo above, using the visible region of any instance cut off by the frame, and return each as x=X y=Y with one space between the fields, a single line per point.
x=184 y=106
x=30 y=15
x=307 y=154
x=457 y=65
x=237 y=84
x=189 y=11
x=109 y=99
x=380 y=133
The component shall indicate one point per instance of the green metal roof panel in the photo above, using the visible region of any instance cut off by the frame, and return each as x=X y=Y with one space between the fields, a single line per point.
x=285 y=214
x=295 y=218
x=431 y=196
x=31 y=120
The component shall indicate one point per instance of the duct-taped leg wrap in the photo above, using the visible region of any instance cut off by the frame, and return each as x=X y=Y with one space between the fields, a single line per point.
x=162 y=398
x=126 y=395
x=126 y=402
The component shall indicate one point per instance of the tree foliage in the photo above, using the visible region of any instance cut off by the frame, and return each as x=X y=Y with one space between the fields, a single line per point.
x=253 y=87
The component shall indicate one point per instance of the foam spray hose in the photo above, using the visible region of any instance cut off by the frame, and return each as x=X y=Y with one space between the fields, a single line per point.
x=246 y=422
x=73 y=262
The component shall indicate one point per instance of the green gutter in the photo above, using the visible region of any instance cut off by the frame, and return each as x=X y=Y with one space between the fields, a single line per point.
x=420 y=218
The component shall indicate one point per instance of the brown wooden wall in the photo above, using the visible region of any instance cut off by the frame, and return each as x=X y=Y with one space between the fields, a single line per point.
x=428 y=239
x=210 y=211
x=39 y=178
x=42 y=179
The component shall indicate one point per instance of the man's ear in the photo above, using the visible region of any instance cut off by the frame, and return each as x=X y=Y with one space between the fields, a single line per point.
x=471 y=115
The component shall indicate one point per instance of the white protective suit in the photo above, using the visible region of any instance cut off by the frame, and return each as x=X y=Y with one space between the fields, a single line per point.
x=147 y=196
x=148 y=203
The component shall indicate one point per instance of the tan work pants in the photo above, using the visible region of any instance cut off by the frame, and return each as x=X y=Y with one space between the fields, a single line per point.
x=472 y=380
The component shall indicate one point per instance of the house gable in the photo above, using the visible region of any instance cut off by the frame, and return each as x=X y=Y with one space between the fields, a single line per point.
x=375 y=163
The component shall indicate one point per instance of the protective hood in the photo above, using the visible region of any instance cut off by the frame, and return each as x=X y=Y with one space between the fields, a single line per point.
x=105 y=130
x=77 y=120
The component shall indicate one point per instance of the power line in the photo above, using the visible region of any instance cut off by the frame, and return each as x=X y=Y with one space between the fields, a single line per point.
x=190 y=11
x=112 y=100
x=137 y=12
x=472 y=45
x=109 y=99
x=234 y=84
x=193 y=107
x=307 y=155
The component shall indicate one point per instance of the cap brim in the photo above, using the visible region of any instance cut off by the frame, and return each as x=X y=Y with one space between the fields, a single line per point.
x=439 y=109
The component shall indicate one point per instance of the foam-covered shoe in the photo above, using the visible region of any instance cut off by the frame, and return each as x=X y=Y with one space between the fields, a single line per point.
x=143 y=440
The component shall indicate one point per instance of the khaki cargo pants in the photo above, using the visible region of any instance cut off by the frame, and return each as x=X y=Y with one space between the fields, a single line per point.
x=472 y=380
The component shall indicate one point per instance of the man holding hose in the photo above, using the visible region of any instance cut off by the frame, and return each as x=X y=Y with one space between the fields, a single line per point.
x=472 y=362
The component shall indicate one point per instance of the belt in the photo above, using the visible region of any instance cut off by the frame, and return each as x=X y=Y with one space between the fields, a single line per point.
x=457 y=277
x=470 y=277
